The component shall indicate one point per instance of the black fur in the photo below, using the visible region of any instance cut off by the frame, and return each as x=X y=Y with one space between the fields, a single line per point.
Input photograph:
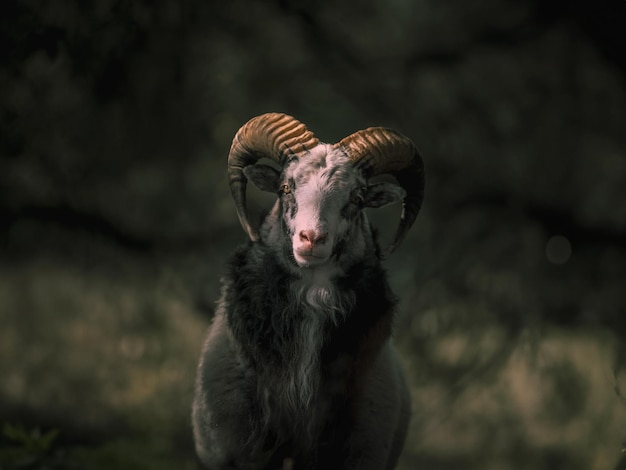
x=255 y=297
x=258 y=293
x=298 y=365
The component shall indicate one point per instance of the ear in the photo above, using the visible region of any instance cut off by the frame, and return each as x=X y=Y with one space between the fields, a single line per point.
x=263 y=177
x=382 y=194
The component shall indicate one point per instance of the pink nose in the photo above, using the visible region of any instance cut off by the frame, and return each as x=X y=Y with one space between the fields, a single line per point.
x=312 y=238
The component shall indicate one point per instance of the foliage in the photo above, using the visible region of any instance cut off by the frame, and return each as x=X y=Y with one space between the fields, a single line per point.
x=32 y=449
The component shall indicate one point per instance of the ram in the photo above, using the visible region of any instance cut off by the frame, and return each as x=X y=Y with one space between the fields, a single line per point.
x=298 y=370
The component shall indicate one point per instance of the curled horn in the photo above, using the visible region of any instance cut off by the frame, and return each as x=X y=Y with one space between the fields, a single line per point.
x=273 y=135
x=377 y=151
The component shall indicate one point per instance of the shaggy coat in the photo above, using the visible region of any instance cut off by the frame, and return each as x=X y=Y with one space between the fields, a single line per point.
x=265 y=394
x=298 y=371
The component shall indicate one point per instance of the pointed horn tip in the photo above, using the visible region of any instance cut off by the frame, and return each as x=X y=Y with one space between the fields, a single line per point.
x=247 y=228
x=393 y=246
x=385 y=254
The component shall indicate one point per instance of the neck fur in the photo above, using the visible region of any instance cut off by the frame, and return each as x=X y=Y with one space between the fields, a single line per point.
x=317 y=304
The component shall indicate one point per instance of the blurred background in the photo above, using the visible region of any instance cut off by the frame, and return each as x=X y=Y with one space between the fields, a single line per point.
x=116 y=118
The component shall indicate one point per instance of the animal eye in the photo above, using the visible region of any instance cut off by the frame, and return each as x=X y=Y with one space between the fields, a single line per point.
x=356 y=199
x=285 y=189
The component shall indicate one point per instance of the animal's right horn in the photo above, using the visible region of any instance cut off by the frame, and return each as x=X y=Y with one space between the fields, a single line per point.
x=276 y=136
x=378 y=150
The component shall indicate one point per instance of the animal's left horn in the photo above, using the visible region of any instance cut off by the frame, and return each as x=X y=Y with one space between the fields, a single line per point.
x=378 y=150
x=273 y=135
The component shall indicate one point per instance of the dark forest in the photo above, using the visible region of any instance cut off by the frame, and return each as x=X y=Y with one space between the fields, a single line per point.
x=116 y=221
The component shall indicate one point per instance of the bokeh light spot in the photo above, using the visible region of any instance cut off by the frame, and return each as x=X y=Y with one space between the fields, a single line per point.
x=558 y=249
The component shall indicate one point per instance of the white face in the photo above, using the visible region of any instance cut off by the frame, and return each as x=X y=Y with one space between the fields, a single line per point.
x=322 y=197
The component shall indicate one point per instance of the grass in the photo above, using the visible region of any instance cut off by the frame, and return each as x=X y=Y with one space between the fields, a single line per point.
x=99 y=359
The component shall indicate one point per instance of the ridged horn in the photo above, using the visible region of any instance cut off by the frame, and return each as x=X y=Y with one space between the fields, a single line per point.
x=377 y=151
x=276 y=136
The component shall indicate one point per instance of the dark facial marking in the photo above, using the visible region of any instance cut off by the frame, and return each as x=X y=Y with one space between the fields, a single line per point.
x=288 y=201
